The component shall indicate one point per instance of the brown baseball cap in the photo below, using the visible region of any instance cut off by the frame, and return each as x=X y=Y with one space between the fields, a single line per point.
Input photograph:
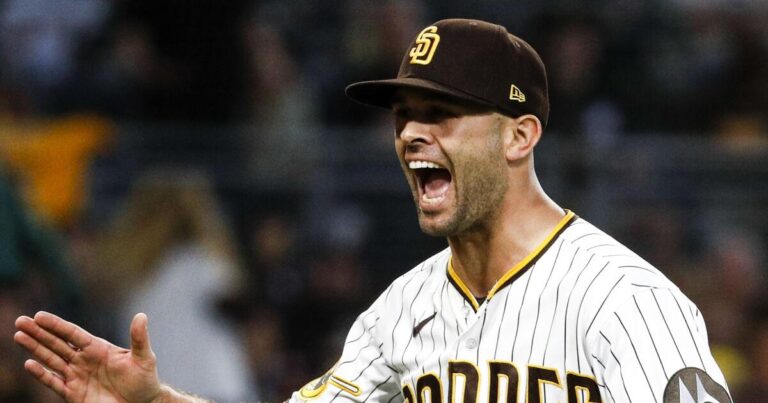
x=471 y=60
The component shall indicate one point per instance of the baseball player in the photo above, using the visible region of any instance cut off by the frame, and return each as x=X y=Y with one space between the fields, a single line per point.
x=529 y=303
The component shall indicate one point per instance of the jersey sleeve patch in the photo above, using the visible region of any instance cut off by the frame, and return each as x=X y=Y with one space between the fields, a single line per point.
x=693 y=385
x=316 y=387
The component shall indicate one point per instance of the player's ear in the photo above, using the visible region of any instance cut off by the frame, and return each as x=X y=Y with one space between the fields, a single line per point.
x=521 y=135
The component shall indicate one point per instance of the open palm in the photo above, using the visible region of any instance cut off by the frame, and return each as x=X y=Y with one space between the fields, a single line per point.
x=83 y=368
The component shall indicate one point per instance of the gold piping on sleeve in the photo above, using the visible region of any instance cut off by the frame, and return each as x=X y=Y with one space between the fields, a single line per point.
x=345 y=385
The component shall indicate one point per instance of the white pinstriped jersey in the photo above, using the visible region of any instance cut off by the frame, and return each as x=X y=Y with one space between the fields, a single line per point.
x=581 y=319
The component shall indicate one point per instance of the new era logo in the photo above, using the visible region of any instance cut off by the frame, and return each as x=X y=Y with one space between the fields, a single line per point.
x=515 y=94
x=426 y=45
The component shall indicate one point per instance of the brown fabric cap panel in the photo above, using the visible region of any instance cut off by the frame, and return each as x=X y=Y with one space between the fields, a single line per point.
x=471 y=60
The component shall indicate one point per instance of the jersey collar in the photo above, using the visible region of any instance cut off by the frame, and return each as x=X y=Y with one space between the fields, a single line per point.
x=517 y=270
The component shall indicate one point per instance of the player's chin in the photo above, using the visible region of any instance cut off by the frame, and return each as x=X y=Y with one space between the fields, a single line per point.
x=436 y=225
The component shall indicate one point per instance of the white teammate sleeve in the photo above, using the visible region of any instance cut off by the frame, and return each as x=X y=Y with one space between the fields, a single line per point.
x=654 y=348
x=362 y=373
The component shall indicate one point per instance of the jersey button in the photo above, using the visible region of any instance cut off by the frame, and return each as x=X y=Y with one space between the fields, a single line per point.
x=471 y=344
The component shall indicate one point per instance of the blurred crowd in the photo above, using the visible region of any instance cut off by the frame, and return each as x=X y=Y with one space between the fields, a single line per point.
x=197 y=160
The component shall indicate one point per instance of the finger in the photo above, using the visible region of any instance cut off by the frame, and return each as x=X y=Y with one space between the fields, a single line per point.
x=42 y=353
x=52 y=342
x=46 y=377
x=140 y=347
x=68 y=331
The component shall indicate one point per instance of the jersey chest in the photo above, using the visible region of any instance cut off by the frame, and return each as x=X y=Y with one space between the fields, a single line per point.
x=521 y=346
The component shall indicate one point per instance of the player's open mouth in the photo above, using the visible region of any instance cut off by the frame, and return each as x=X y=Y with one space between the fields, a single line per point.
x=433 y=181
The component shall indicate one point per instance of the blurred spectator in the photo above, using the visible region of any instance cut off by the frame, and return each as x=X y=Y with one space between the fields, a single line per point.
x=278 y=370
x=125 y=70
x=281 y=106
x=730 y=279
x=573 y=55
x=277 y=279
x=743 y=134
x=739 y=266
x=370 y=45
x=52 y=158
x=15 y=383
x=40 y=41
x=337 y=286
x=187 y=58
x=35 y=273
x=170 y=254
x=29 y=246
x=753 y=385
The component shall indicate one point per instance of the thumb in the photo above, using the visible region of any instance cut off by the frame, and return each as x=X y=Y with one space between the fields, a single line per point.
x=140 y=347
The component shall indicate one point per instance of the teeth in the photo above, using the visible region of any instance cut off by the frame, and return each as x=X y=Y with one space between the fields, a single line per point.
x=423 y=165
x=432 y=200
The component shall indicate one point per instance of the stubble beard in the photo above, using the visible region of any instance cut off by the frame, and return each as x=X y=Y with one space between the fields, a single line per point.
x=479 y=193
x=474 y=208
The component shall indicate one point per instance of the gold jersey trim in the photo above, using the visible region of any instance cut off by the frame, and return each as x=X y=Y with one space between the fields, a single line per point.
x=345 y=385
x=454 y=279
x=515 y=271
x=317 y=386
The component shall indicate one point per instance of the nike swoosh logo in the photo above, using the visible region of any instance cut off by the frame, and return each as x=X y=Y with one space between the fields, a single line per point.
x=417 y=328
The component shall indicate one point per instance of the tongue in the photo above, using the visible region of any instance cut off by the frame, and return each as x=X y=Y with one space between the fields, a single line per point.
x=436 y=183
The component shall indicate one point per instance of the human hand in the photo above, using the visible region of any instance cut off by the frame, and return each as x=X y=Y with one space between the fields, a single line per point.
x=83 y=368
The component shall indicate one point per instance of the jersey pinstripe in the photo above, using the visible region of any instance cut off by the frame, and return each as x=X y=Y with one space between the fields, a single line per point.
x=581 y=319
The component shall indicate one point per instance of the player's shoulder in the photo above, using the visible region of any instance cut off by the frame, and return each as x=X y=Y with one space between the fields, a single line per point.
x=584 y=235
x=416 y=281
x=610 y=259
x=434 y=266
x=614 y=275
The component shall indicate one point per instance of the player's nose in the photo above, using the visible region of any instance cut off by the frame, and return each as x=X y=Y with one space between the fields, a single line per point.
x=414 y=132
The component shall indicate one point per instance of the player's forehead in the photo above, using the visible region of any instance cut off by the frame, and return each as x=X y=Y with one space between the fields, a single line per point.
x=414 y=98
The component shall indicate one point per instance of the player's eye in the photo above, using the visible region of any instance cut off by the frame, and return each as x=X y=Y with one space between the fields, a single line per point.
x=432 y=114
x=401 y=113
x=402 y=116
x=437 y=114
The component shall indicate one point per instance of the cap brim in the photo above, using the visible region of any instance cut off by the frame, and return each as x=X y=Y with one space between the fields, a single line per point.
x=380 y=92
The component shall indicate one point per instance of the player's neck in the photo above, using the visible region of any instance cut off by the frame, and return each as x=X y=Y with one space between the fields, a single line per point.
x=481 y=257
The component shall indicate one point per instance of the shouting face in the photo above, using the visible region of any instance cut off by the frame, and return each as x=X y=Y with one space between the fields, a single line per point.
x=453 y=158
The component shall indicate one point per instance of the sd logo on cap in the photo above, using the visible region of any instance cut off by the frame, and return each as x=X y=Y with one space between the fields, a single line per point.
x=426 y=45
